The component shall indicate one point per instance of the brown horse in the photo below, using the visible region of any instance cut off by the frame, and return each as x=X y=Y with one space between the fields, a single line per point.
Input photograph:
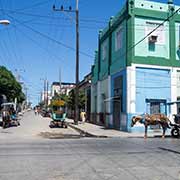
x=152 y=119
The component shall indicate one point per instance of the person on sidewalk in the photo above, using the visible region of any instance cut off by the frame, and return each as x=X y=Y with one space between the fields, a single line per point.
x=35 y=110
x=83 y=116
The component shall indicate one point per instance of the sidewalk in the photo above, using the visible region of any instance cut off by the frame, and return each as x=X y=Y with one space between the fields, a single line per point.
x=93 y=130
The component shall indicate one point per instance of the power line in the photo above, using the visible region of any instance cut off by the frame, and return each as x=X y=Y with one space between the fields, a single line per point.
x=47 y=37
x=39 y=45
x=34 y=5
x=52 y=17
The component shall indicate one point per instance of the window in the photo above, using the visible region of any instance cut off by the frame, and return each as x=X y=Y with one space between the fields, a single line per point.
x=104 y=50
x=158 y=35
x=119 y=37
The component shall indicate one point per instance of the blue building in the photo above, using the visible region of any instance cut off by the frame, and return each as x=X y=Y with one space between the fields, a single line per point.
x=137 y=65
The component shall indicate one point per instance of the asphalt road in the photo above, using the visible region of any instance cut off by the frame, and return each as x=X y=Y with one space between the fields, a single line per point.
x=24 y=155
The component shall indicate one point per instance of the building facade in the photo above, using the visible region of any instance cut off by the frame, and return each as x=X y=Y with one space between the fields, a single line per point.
x=137 y=65
x=61 y=88
x=85 y=86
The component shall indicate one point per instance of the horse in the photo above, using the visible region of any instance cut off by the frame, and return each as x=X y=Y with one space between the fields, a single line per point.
x=152 y=119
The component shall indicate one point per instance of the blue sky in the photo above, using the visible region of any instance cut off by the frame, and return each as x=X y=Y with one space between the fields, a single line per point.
x=26 y=44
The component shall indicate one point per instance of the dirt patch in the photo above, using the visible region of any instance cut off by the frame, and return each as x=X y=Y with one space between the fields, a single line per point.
x=50 y=135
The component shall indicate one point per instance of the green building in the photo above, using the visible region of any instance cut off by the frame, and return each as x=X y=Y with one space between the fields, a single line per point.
x=137 y=64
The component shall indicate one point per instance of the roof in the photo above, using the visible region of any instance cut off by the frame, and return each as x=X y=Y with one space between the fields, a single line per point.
x=62 y=83
x=8 y=104
x=173 y=102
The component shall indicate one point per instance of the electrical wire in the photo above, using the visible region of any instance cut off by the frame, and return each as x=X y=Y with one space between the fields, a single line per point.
x=39 y=45
x=34 y=5
x=54 y=40
x=52 y=17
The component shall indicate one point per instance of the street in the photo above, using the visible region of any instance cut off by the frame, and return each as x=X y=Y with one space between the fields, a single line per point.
x=27 y=156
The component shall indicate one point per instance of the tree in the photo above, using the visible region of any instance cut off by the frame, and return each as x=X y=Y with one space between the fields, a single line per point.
x=9 y=86
x=71 y=100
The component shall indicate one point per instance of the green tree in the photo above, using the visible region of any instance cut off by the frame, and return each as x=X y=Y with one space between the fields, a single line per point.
x=9 y=86
x=63 y=97
x=71 y=100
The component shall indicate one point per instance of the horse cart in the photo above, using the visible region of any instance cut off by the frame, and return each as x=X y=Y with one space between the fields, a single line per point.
x=175 y=130
x=9 y=115
x=58 y=115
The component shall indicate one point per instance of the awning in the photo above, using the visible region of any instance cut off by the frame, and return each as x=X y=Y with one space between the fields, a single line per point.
x=173 y=102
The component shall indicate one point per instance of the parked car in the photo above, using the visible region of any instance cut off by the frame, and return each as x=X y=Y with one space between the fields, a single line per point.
x=45 y=113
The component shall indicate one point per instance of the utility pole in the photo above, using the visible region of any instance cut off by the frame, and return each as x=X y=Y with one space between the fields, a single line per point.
x=26 y=94
x=44 y=94
x=60 y=81
x=47 y=89
x=77 y=56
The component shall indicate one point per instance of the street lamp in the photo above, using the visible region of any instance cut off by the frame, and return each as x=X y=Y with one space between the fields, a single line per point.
x=5 y=22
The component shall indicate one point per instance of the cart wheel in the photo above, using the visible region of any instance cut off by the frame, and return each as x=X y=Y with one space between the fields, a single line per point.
x=175 y=133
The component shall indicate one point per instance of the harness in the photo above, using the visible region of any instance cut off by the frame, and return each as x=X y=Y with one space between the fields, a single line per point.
x=142 y=121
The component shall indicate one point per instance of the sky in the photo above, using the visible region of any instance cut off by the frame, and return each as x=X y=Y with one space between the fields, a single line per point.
x=40 y=41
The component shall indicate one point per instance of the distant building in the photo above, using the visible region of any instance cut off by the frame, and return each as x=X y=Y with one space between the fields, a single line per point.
x=46 y=97
x=85 y=85
x=63 y=88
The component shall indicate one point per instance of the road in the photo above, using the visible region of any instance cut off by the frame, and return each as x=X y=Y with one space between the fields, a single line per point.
x=24 y=155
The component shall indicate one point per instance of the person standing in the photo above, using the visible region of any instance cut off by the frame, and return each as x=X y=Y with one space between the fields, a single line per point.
x=83 y=116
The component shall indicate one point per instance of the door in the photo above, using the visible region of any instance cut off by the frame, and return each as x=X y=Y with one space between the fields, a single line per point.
x=117 y=102
x=116 y=113
x=155 y=109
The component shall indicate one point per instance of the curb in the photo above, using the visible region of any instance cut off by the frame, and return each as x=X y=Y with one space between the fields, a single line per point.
x=85 y=133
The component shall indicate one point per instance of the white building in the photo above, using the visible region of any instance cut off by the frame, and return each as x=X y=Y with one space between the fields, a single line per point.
x=63 y=88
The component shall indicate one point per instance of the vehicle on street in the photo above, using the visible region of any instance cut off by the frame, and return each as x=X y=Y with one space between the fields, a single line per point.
x=9 y=115
x=58 y=114
x=45 y=113
x=175 y=131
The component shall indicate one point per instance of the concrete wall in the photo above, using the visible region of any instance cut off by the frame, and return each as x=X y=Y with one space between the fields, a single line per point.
x=123 y=114
x=151 y=84
x=118 y=56
x=104 y=59
x=151 y=5
x=161 y=48
x=177 y=41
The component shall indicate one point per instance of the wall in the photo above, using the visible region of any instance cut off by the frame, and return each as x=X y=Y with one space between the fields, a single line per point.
x=118 y=57
x=95 y=70
x=151 y=84
x=103 y=106
x=178 y=83
x=177 y=27
x=161 y=48
x=104 y=58
x=54 y=88
x=122 y=119
x=151 y=5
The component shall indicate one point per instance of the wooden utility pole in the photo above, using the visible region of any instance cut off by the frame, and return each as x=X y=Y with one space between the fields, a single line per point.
x=76 y=119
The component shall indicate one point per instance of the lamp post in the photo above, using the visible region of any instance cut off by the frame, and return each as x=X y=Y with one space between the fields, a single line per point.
x=5 y=22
